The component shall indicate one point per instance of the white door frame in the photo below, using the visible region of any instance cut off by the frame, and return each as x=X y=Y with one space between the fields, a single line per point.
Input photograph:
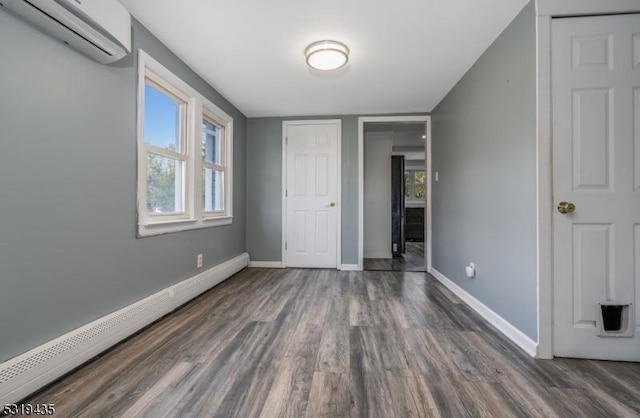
x=361 y=121
x=545 y=11
x=285 y=125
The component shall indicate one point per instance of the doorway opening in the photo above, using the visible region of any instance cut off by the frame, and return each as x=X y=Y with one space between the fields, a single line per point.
x=395 y=193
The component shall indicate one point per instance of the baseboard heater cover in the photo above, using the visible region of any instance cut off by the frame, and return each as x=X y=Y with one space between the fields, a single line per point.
x=28 y=372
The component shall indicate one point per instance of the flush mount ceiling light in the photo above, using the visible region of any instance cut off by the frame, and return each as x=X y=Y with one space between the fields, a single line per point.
x=327 y=55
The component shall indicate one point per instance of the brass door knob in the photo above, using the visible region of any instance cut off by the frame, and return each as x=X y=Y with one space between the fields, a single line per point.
x=332 y=204
x=566 y=207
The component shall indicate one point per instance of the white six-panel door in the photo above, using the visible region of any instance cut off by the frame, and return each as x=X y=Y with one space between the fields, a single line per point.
x=311 y=195
x=596 y=167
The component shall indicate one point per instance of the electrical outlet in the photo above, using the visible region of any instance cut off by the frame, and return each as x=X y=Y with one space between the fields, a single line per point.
x=471 y=270
x=199 y=261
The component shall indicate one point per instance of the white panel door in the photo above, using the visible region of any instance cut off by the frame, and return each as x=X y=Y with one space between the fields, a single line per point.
x=311 y=195
x=596 y=167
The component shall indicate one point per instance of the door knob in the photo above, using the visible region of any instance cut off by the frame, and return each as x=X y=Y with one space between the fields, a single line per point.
x=332 y=204
x=566 y=207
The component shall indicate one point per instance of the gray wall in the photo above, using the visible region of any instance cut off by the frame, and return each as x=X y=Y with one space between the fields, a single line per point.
x=484 y=148
x=377 y=194
x=414 y=164
x=68 y=247
x=264 y=187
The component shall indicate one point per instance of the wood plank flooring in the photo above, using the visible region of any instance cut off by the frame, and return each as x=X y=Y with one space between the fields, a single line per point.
x=411 y=260
x=322 y=343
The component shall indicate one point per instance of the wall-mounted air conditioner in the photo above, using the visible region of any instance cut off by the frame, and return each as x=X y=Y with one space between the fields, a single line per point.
x=100 y=29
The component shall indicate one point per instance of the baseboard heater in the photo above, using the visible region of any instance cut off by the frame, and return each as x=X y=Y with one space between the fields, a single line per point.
x=29 y=372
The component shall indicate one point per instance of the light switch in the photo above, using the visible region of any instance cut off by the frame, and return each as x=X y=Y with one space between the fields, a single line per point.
x=436 y=176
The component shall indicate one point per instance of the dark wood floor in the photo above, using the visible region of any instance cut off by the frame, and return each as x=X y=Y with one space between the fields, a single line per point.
x=411 y=260
x=321 y=343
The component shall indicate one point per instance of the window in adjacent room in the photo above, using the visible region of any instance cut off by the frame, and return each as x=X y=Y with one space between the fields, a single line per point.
x=184 y=155
x=419 y=190
x=414 y=184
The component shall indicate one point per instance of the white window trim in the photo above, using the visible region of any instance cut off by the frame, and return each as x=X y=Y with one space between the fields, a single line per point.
x=209 y=112
x=193 y=216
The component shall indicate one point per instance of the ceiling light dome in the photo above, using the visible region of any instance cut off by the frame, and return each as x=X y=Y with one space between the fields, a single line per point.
x=327 y=55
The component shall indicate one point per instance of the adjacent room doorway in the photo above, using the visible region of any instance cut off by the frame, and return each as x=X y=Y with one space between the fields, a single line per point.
x=395 y=193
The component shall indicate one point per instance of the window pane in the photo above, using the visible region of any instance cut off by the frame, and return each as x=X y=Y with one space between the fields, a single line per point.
x=161 y=119
x=211 y=143
x=407 y=184
x=212 y=190
x=419 y=184
x=164 y=185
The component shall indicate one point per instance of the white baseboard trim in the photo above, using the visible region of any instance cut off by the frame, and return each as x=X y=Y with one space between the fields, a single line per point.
x=514 y=334
x=349 y=267
x=28 y=372
x=266 y=264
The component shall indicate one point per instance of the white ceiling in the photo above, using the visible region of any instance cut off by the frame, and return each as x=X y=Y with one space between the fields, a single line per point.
x=405 y=54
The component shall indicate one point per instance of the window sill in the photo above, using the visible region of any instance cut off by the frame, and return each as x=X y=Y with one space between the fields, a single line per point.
x=178 y=225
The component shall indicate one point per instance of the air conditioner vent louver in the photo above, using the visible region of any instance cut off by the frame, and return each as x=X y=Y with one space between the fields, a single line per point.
x=98 y=29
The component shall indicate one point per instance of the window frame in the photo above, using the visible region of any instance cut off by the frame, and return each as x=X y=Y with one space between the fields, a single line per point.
x=211 y=117
x=412 y=184
x=182 y=154
x=196 y=108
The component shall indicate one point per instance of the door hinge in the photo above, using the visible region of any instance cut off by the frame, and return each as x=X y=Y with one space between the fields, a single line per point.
x=285 y=245
x=286 y=193
x=286 y=140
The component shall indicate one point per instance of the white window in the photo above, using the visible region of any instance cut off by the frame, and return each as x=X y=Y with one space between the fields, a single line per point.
x=213 y=165
x=184 y=155
x=414 y=184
